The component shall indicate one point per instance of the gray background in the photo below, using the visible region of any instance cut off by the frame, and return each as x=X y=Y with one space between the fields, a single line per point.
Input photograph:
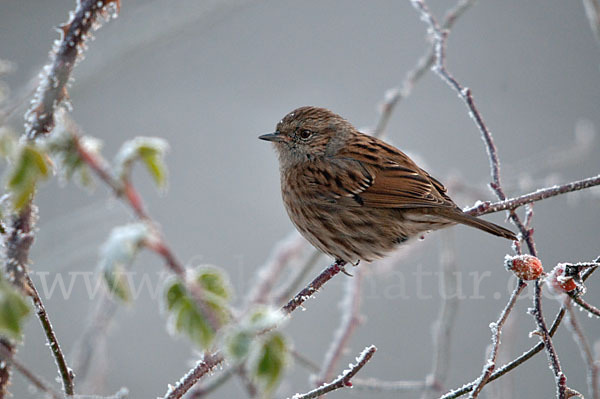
x=210 y=76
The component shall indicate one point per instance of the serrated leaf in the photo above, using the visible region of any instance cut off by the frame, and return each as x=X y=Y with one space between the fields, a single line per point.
x=269 y=361
x=30 y=167
x=149 y=150
x=13 y=310
x=117 y=253
x=187 y=317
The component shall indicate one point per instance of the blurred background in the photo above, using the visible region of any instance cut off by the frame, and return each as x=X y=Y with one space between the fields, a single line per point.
x=211 y=76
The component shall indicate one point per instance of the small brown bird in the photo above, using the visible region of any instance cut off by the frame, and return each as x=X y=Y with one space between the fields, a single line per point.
x=354 y=196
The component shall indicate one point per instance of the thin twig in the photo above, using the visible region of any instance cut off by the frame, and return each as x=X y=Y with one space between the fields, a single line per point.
x=561 y=379
x=484 y=208
x=18 y=243
x=440 y=37
x=125 y=191
x=593 y=369
x=496 y=331
x=592 y=11
x=305 y=361
x=210 y=386
x=9 y=352
x=442 y=329
x=203 y=367
x=52 y=89
x=65 y=372
x=344 y=380
x=394 y=96
x=215 y=359
x=282 y=253
x=376 y=385
x=289 y=288
x=350 y=320
x=7 y=357
x=314 y=286
x=521 y=359
x=92 y=340
x=584 y=305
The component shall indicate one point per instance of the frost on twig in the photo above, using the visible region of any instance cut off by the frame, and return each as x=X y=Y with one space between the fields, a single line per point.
x=394 y=96
x=67 y=51
x=343 y=380
x=496 y=332
x=593 y=368
x=350 y=309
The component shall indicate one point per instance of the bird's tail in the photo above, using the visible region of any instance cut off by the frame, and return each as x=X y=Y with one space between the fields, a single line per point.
x=464 y=218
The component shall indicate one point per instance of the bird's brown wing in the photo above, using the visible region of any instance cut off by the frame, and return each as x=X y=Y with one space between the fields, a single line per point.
x=395 y=181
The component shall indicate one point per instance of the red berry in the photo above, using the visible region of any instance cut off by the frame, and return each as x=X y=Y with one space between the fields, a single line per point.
x=525 y=267
x=559 y=281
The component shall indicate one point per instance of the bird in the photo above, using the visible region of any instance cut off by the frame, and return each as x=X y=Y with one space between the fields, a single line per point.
x=354 y=196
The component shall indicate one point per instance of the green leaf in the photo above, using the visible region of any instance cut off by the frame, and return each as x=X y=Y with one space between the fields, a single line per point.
x=149 y=150
x=13 y=310
x=268 y=362
x=118 y=253
x=240 y=339
x=30 y=167
x=188 y=317
x=238 y=344
x=63 y=145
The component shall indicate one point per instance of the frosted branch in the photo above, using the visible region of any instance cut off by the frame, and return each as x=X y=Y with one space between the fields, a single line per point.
x=513 y=203
x=344 y=380
x=326 y=275
x=67 y=51
x=496 y=331
x=394 y=96
x=203 y=367
x=350 y=320
x=593 y=369
x=7 y=356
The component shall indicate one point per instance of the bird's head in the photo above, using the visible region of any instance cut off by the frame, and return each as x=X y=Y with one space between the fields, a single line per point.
x=308 y=133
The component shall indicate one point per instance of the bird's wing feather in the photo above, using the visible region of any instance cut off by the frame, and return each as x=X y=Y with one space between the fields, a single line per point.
x=391 y=180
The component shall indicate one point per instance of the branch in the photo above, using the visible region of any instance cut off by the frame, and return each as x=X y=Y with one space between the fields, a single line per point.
x=394 y=96
x=521 y=359
x=443 y=325
x=8 y=350
x=215 y=359
x=343 y=380
x=484 y=208
x=54 y=78
x=592 y=11
x=202 y=368
x=590 y=308
x=350 y=320
x=18 y=243
x=66 y=374
x=496 y=331
x=584 y=348
x=314 y=286
x=128 y=194
x=373 y=384
x=282 y=253
x=290 y=287
x=7 y=356
x=561 y=379
x=440 y=36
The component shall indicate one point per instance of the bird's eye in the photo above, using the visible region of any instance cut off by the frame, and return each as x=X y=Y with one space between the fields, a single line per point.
x=304 y=134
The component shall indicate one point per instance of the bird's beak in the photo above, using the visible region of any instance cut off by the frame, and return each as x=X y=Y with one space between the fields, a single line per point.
x=275 y=137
